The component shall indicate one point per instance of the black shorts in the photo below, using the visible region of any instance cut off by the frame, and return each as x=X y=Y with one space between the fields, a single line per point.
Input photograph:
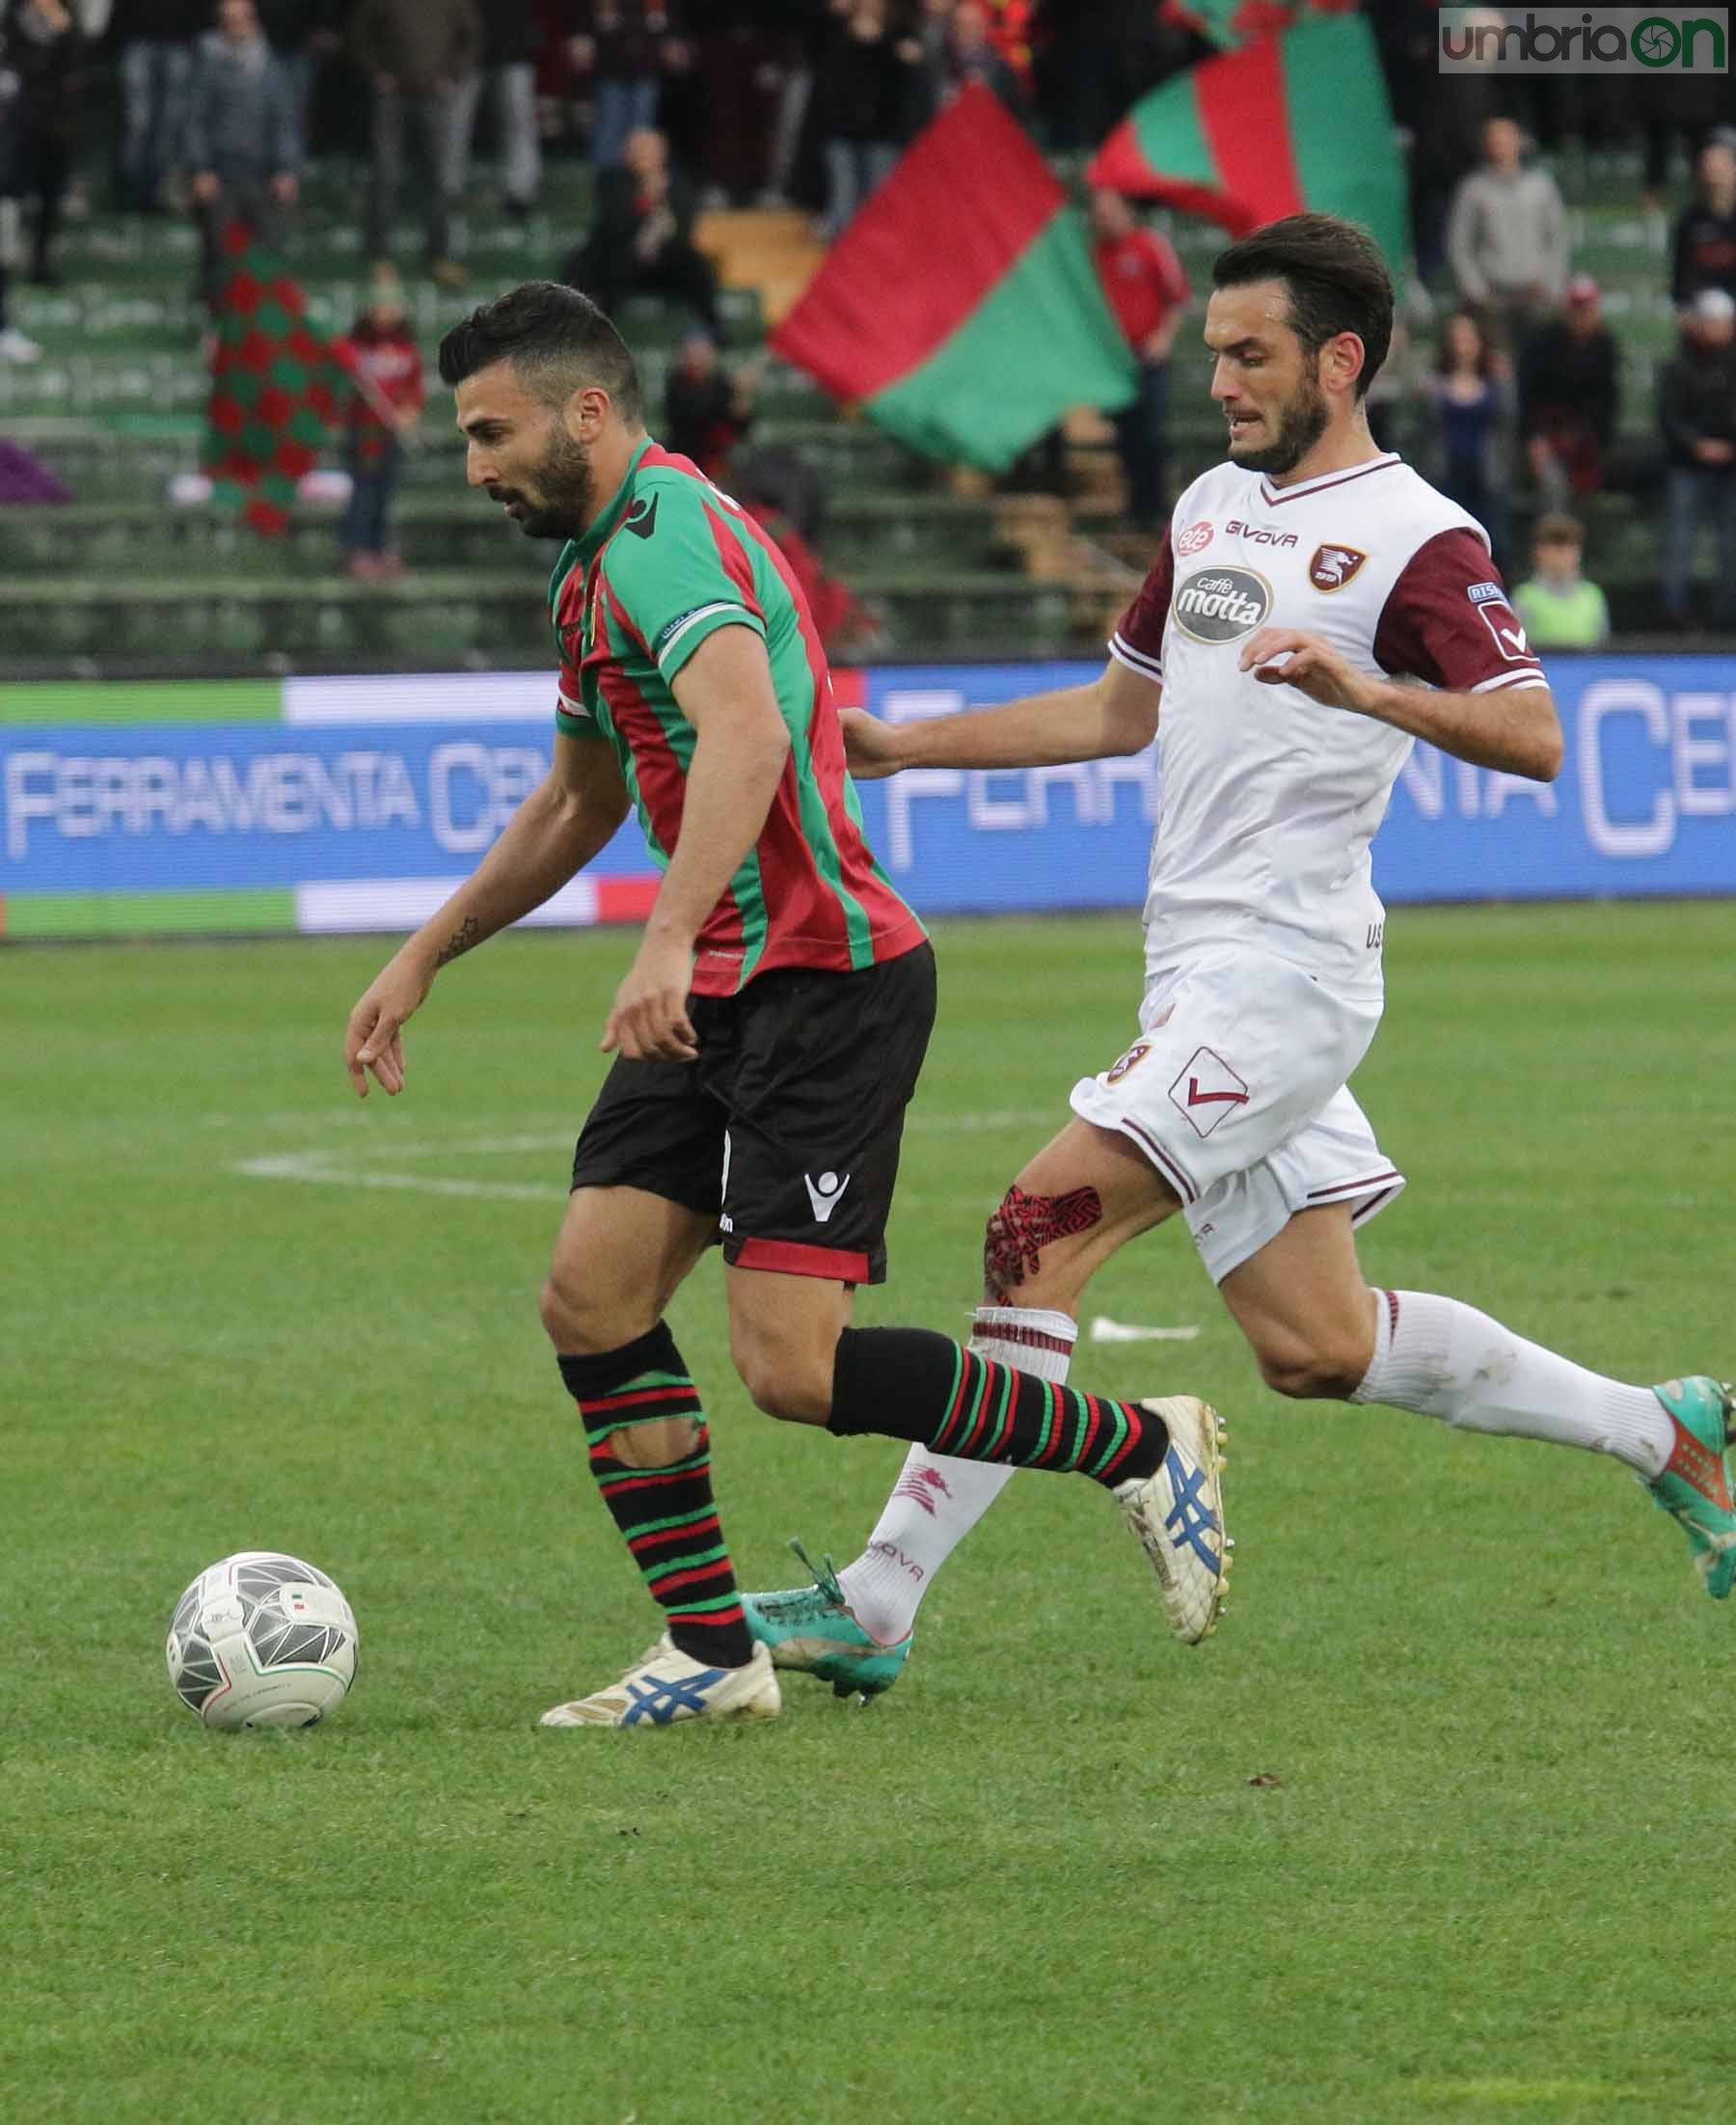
x=787 y=1128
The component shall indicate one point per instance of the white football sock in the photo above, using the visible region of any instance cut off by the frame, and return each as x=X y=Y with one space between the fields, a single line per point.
x=936 y=1501
x=1447 y=1360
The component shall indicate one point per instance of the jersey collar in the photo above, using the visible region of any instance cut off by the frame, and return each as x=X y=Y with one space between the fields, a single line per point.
x=1273 y=496
x=609 y=523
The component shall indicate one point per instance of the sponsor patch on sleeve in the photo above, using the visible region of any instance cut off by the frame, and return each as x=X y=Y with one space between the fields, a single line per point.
x=1505 y=624
x=673 y=630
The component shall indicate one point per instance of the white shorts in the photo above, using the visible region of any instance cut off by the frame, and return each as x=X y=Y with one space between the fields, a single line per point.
x=1235 y=1091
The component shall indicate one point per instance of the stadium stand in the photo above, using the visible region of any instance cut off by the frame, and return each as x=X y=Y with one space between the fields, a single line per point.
x=945 y=563
x=116 y=406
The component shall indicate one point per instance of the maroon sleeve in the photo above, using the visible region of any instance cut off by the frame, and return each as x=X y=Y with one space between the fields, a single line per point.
x=1138 y=640
x=1447 y=620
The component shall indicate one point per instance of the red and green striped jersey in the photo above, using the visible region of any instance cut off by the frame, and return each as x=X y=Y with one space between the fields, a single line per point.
x=669 y=561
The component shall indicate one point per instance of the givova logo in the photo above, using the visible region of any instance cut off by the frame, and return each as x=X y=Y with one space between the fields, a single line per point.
x=1222 y=604
x=1485 y=41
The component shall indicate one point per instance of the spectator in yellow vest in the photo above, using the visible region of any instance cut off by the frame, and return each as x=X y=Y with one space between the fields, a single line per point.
x=1560 y=609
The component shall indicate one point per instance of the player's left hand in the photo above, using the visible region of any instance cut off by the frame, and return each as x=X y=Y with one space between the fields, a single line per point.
x=649 y=1021
x=1282 y=656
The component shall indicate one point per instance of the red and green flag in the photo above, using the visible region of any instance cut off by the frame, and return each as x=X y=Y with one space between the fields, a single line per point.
x=1230 y=24
x=961 y=308
x=277 y=387
x=1295 y=121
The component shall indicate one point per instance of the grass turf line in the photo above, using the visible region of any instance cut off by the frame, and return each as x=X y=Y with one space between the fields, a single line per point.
x=1033 y=1884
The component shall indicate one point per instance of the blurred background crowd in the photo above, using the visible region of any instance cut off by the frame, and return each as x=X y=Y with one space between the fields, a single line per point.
x=1567 y=367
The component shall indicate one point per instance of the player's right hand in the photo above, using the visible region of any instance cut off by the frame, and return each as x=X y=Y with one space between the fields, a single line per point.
x=374 y=1039
x=871 y=749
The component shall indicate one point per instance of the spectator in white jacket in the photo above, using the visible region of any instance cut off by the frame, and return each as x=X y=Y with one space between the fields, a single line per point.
x=1506 y=237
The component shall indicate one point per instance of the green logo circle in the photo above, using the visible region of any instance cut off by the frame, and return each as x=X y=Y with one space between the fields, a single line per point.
x=1656 y=43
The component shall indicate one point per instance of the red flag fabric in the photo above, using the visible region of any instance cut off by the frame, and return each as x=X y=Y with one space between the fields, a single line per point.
x=1297 y=120
x=960 y=308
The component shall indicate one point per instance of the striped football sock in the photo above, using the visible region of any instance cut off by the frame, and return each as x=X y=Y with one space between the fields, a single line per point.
x=936 y=1503
x=667 y=1514
x=908 y=1383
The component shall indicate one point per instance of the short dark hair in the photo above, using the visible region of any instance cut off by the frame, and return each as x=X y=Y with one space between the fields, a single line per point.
x=1338 y=281
x=556 y=339
x=1556 y=527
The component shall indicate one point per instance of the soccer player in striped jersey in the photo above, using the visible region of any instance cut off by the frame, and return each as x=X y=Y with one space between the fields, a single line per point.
x=767 y=1038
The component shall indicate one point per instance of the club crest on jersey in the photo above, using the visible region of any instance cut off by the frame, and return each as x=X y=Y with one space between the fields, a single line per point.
x=1196 y=536
x=1222 y=604
x=1333 y=566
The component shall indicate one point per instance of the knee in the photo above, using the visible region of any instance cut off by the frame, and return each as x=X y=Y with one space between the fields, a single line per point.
x=577 y=1320
x=557 y=1317
x=1025 y=1261
x=786 y=1383
x=1322 y=1369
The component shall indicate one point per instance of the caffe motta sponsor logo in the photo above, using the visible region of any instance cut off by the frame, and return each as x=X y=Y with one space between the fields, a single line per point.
x=1221 y=604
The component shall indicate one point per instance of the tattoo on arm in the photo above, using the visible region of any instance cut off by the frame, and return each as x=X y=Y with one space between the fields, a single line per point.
x=460 y=940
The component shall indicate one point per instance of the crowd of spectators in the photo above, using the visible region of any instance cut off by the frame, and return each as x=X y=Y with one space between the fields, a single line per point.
x=810 y=100
x=1512 y=385
x=1528 y=393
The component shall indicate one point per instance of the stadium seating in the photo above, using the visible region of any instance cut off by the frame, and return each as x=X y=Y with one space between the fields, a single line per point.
x=945 y=565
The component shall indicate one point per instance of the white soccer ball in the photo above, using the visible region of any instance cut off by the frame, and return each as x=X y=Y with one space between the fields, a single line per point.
x=261 y=1639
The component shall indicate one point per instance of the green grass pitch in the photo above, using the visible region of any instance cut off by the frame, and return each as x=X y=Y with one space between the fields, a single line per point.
x=1436 y=1827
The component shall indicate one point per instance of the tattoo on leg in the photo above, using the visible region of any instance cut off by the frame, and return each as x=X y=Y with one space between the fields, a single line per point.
x=1025 y=1225
x=460 y=940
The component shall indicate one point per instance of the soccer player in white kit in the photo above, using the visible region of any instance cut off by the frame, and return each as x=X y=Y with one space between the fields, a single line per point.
x=1316 y=608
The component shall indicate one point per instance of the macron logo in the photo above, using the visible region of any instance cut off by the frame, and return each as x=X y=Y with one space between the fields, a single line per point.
x=823 y=1193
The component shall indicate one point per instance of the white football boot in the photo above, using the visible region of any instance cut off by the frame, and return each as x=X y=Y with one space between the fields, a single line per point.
x=664 y=1685
x=1177 y=1514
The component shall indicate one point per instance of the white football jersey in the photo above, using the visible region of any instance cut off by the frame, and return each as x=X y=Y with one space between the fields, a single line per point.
x=1268 y=802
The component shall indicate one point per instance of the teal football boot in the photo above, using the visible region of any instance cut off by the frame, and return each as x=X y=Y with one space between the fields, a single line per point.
x=1695 y=1489
x=811 y=1630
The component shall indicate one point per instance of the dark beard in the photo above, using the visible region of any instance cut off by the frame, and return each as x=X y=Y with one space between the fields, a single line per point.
x=567 y=489
x=1301 y=427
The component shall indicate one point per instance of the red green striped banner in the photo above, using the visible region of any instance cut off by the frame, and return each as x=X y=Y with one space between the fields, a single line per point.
x=961 y=309
x=1295 y=121
x=1231 y=23
x=276 y=388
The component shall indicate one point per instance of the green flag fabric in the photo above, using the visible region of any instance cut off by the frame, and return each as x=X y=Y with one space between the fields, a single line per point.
x=1230 y=24
x=1297 y=120
x=961 y=308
